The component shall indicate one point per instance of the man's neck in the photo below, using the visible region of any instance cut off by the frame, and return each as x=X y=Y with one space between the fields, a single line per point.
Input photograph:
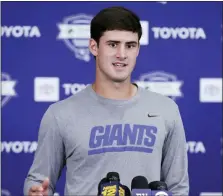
x=115 y=90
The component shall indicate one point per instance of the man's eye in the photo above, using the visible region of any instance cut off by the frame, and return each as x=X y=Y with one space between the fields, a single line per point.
x=130 y=46
x=113 y=45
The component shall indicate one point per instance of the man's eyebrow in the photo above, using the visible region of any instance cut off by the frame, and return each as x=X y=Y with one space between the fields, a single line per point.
x=113 y=41
x=132 y=42
x=116 y=42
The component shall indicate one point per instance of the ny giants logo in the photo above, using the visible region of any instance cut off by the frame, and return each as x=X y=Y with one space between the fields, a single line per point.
x=120 y=138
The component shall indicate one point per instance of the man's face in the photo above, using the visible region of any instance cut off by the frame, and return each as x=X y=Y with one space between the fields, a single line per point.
x=116 y=54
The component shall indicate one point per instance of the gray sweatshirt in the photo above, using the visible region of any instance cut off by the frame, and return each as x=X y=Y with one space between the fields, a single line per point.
x=92 y=135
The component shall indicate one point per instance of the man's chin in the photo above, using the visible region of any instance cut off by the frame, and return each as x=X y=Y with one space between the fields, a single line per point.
x=120 y=79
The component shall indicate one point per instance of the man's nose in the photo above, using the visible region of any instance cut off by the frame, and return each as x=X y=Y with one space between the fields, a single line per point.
x=121 y=52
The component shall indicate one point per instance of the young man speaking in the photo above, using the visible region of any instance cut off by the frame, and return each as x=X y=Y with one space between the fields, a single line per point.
x=112 y=125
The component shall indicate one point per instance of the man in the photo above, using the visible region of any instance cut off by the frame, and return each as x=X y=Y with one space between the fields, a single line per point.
x=112 y=125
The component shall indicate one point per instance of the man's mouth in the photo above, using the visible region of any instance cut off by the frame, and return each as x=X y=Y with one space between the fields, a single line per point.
x=119 y=64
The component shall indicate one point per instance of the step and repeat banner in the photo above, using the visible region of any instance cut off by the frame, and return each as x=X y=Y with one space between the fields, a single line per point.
x=44 y=60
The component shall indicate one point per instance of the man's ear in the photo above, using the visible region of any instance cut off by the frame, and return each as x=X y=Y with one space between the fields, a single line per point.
x=93 y=47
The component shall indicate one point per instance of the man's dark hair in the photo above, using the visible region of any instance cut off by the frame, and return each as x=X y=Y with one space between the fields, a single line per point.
x=115 y=18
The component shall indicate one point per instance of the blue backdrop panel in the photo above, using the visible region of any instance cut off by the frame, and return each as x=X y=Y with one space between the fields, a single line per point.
x=45 y=59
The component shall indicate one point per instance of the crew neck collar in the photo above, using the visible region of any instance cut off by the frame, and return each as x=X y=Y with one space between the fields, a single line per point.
x=115 y=102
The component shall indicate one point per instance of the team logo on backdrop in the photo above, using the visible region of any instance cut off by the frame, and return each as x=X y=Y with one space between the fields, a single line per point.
x=210 y=90
x=120 y=138
x=8 y=88
x=5 y=192
x=20 y=31
x=46 y=89
x=75 y=32
x=160 y=82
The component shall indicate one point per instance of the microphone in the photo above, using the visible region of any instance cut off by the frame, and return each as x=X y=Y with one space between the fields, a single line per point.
x=159 y=188
x=111 y=186
x=103 y=181
x=127 y=190
x=158 y=185
x=139 y=182
x=113 y=176
x=140 y=187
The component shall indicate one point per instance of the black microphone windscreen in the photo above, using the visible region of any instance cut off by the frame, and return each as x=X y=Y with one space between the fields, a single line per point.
x=113 y=176
x=158 y=185
x=103 y=181
x=139 y=182
x=127 y=190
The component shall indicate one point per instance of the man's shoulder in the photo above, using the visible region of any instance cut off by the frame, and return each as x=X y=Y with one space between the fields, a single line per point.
x=70 y=103
x=157 y=99
x=161 y=105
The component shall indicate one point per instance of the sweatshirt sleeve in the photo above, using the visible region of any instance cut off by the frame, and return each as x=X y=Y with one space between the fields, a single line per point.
x=175 y=160
x=49 y=156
